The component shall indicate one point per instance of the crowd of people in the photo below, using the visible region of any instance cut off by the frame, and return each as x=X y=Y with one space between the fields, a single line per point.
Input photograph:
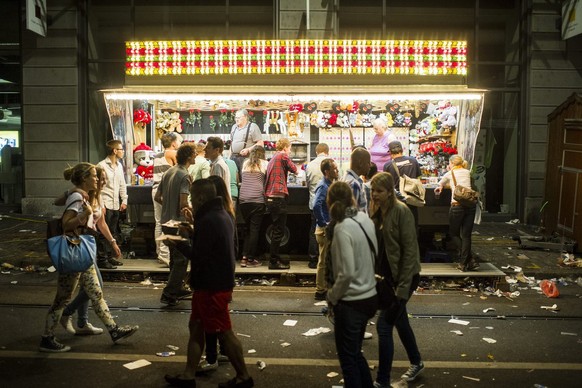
x=361 y=231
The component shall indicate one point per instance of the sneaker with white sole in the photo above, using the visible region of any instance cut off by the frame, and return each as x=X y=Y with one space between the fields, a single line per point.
x=368 y=335
x=67 y=323
x=49 y=344
x=204 y=366
x=89 y=329
x=413 y=372
x=120 y=332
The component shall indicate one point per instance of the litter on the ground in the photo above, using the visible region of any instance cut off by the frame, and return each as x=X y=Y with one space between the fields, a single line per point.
x=457 y=332
x=491 y=239
x=285 y=344
x=290 y=322
x=320 y=303
x=471 y=378
x=332 y=374
x=51 y=269
x=515 y=268
x=261 y=365
x=566 y=333
x=489 y=327
x=251 y=351
x=488 y=309
x=316 y=331
x=14 y=282
x=165 y=354
x=553 y=307
x=458 y=321
x=172 y=347
x=521 y=256
x=489 y=340
x=513 y=222
x=146 y=282
x=243 y=335
x=137 y=364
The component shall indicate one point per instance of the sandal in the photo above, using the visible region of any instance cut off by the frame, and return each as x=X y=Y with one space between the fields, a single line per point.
x=243 y=262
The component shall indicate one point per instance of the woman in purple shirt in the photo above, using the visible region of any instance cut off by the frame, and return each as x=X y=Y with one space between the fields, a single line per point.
x=379 y=152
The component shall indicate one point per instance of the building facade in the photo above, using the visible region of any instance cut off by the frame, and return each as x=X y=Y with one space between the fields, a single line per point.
x=515 y=52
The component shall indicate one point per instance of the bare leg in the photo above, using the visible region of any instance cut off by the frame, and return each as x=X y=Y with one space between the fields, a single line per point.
x=195 y=348
x=233 y=349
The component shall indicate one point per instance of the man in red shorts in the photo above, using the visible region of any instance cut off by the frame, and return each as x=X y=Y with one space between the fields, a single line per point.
x=212 y=258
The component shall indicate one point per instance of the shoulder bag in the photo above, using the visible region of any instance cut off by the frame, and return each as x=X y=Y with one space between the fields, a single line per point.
x=464 y=195
x=411 y=189
x=69 y=253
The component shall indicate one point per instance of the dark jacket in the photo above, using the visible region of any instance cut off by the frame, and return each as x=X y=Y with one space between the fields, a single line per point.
x=212 y=256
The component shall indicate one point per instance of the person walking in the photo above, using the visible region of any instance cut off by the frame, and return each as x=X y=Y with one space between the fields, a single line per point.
x=78 y=212
x=352 y=296
x=276 y=196
x=172 y=194
x=81 y=302
x=244 y=136
x=322 y=219
x=252 y=204
x=461 y=218
x=212 y=258
x=114 y=194
x=163 y=162
x=313 y=176
x=399 y=259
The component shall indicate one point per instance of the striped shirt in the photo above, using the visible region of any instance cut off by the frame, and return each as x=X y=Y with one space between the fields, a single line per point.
x=253 y=184
x=161 y=165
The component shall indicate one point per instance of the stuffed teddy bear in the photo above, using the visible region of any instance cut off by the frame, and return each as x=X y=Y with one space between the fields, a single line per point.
x=143 y=157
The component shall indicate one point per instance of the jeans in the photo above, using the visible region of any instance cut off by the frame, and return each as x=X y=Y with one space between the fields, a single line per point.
x=162 y=250
x=278 y=209
x=350 y=325
x=253 y=216
x=81 y=302
x=461 y=221
x=320 y=279
x=112 y=221
x=385 y=326
x=313 y=248
x=178 y=270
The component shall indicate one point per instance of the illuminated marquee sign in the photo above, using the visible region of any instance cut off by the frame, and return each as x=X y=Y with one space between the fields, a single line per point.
x=295 y=57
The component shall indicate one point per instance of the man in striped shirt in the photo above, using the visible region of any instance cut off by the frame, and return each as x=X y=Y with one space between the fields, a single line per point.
x=276 y=194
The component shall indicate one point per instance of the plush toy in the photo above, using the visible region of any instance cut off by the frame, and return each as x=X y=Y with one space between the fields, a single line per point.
x=143 y=157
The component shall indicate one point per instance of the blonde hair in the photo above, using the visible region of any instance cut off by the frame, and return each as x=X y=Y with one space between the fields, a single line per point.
x=282 y=144
x=458 y=161
x=78 y=173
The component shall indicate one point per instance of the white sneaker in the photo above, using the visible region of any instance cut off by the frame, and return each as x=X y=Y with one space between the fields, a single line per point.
x=367 y=335
x=89 y=329
x=67 y=323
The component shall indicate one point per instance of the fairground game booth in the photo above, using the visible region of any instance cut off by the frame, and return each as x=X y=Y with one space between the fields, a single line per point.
x=310 y=91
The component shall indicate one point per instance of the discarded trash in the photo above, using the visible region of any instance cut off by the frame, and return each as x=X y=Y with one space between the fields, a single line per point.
x=491 y=239
x=165 y=354
x=285 y=344
x=553 y=307
x=146 y=282
x=490 y=356
x=290 y=322
x=261 y=365
x=489 y=340
x=473 y=378
x=14 y=282
x=466 y=303
x=515 y=268
x=457 y=332
x=568 y=260
x=458 y=321
x=7 y=266
x=513 y=222
x=51 y=269
x=521 y=256
x=332 y=374
x=316 y=331
x=172 y=347
x=251 y=351
x=566 y=333
x=549 y=288
x=488 y=309
x=243 y=335
x=320 y=303
x=137 y=364
x=489 y=327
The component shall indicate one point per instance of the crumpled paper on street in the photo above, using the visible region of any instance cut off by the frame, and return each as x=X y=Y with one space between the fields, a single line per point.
x=316 y=331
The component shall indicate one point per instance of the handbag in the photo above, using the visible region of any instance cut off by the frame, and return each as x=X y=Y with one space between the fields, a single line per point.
x=411 y=189
x=464 y=195
x=384 y=283
x=71 y=254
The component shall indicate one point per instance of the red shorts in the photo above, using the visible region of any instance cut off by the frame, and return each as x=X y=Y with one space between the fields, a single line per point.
x=211 y=308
